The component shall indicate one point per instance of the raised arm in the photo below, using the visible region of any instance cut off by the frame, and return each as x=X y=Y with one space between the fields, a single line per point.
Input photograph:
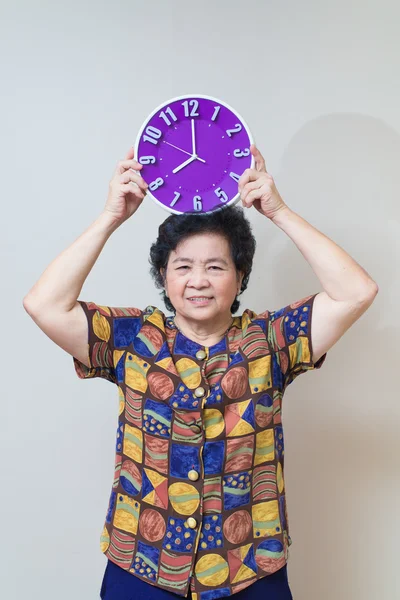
x=348 y=290
x=53 y=300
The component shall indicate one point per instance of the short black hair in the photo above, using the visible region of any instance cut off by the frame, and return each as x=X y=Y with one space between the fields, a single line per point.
x=229 y=222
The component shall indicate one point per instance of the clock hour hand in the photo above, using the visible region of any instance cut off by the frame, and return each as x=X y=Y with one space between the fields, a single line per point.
x=187 y=162
x=184 y=151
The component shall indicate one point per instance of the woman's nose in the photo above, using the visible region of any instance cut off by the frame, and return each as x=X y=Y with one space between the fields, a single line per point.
x=198 y=278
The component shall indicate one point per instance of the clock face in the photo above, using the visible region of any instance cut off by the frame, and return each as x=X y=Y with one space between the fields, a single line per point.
x=193 y=150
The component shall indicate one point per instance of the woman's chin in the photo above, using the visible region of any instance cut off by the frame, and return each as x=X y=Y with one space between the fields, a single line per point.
x=201 y=311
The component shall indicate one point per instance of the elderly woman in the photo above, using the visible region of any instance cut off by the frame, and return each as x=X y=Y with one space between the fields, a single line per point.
x=197 y=505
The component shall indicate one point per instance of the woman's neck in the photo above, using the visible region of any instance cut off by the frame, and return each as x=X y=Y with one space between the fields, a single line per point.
x=204 y=333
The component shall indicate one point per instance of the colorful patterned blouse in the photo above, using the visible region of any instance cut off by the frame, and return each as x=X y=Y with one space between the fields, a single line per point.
x=198 y=498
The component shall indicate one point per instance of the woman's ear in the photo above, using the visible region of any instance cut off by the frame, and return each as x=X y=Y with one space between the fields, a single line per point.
x=163 y=276
x=240 y=279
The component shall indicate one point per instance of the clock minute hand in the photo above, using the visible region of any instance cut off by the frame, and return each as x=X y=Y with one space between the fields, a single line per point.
x=184 y=151
x=187 y=162
x=193 y=139
x=194 y=151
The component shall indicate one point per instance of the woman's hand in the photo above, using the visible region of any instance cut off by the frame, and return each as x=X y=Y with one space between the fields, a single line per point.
x=126 y=191
x=257 y=188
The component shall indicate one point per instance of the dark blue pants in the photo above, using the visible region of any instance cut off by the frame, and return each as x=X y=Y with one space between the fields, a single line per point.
x=119 y=584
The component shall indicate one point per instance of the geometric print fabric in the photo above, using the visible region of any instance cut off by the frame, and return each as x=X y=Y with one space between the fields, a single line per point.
x=198 y=497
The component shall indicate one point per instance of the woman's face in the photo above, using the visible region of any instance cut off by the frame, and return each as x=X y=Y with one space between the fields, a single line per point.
x=201 y=277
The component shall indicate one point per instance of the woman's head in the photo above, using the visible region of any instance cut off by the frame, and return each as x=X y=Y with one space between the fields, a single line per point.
x=203 y=262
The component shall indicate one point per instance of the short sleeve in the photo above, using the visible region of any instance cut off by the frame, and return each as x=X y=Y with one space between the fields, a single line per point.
x=109 y=332
x=289 y=334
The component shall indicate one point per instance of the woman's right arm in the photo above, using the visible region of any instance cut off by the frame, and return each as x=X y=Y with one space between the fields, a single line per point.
x=53 y=300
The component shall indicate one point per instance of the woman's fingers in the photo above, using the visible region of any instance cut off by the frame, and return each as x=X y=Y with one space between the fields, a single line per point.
x=130 y=154
x=250 y=198
x=127 y=188
x=124 y=165
x=259 y=159
x=131 y=164
x=131 y=176
x=250 y=186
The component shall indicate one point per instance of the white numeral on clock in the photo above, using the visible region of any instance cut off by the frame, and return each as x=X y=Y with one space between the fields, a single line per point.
x=163 y=115
x=194 y=104
x=238 y=153
x=153 y=135
x=197 y=203
x=216 y=111
x=154 y=185
x=221 y=194
x=236 y=129
x=234 y=176
x=176 y=198
x=147 y=160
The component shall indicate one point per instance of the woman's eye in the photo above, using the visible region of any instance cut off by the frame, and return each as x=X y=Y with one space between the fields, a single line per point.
x=184 y=267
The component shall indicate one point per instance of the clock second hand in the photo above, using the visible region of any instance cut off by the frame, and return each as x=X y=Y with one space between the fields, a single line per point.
x=189 y=153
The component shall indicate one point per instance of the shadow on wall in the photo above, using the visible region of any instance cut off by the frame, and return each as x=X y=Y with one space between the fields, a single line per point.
x=341 y=173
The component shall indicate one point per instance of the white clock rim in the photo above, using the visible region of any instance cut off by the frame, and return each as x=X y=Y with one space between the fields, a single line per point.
x=236 y=198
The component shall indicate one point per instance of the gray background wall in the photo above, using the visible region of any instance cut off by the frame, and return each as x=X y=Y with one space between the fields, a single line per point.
x=318 y=84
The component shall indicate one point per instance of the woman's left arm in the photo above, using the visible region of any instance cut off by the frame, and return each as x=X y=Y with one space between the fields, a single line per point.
x=348 y=288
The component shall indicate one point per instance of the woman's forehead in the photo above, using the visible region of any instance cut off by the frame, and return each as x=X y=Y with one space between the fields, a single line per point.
x=207 y=243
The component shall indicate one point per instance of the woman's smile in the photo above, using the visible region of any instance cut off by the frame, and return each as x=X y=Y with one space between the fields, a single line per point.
x=201 y=300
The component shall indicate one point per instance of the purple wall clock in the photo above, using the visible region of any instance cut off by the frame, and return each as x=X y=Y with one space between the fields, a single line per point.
x=193 y=149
